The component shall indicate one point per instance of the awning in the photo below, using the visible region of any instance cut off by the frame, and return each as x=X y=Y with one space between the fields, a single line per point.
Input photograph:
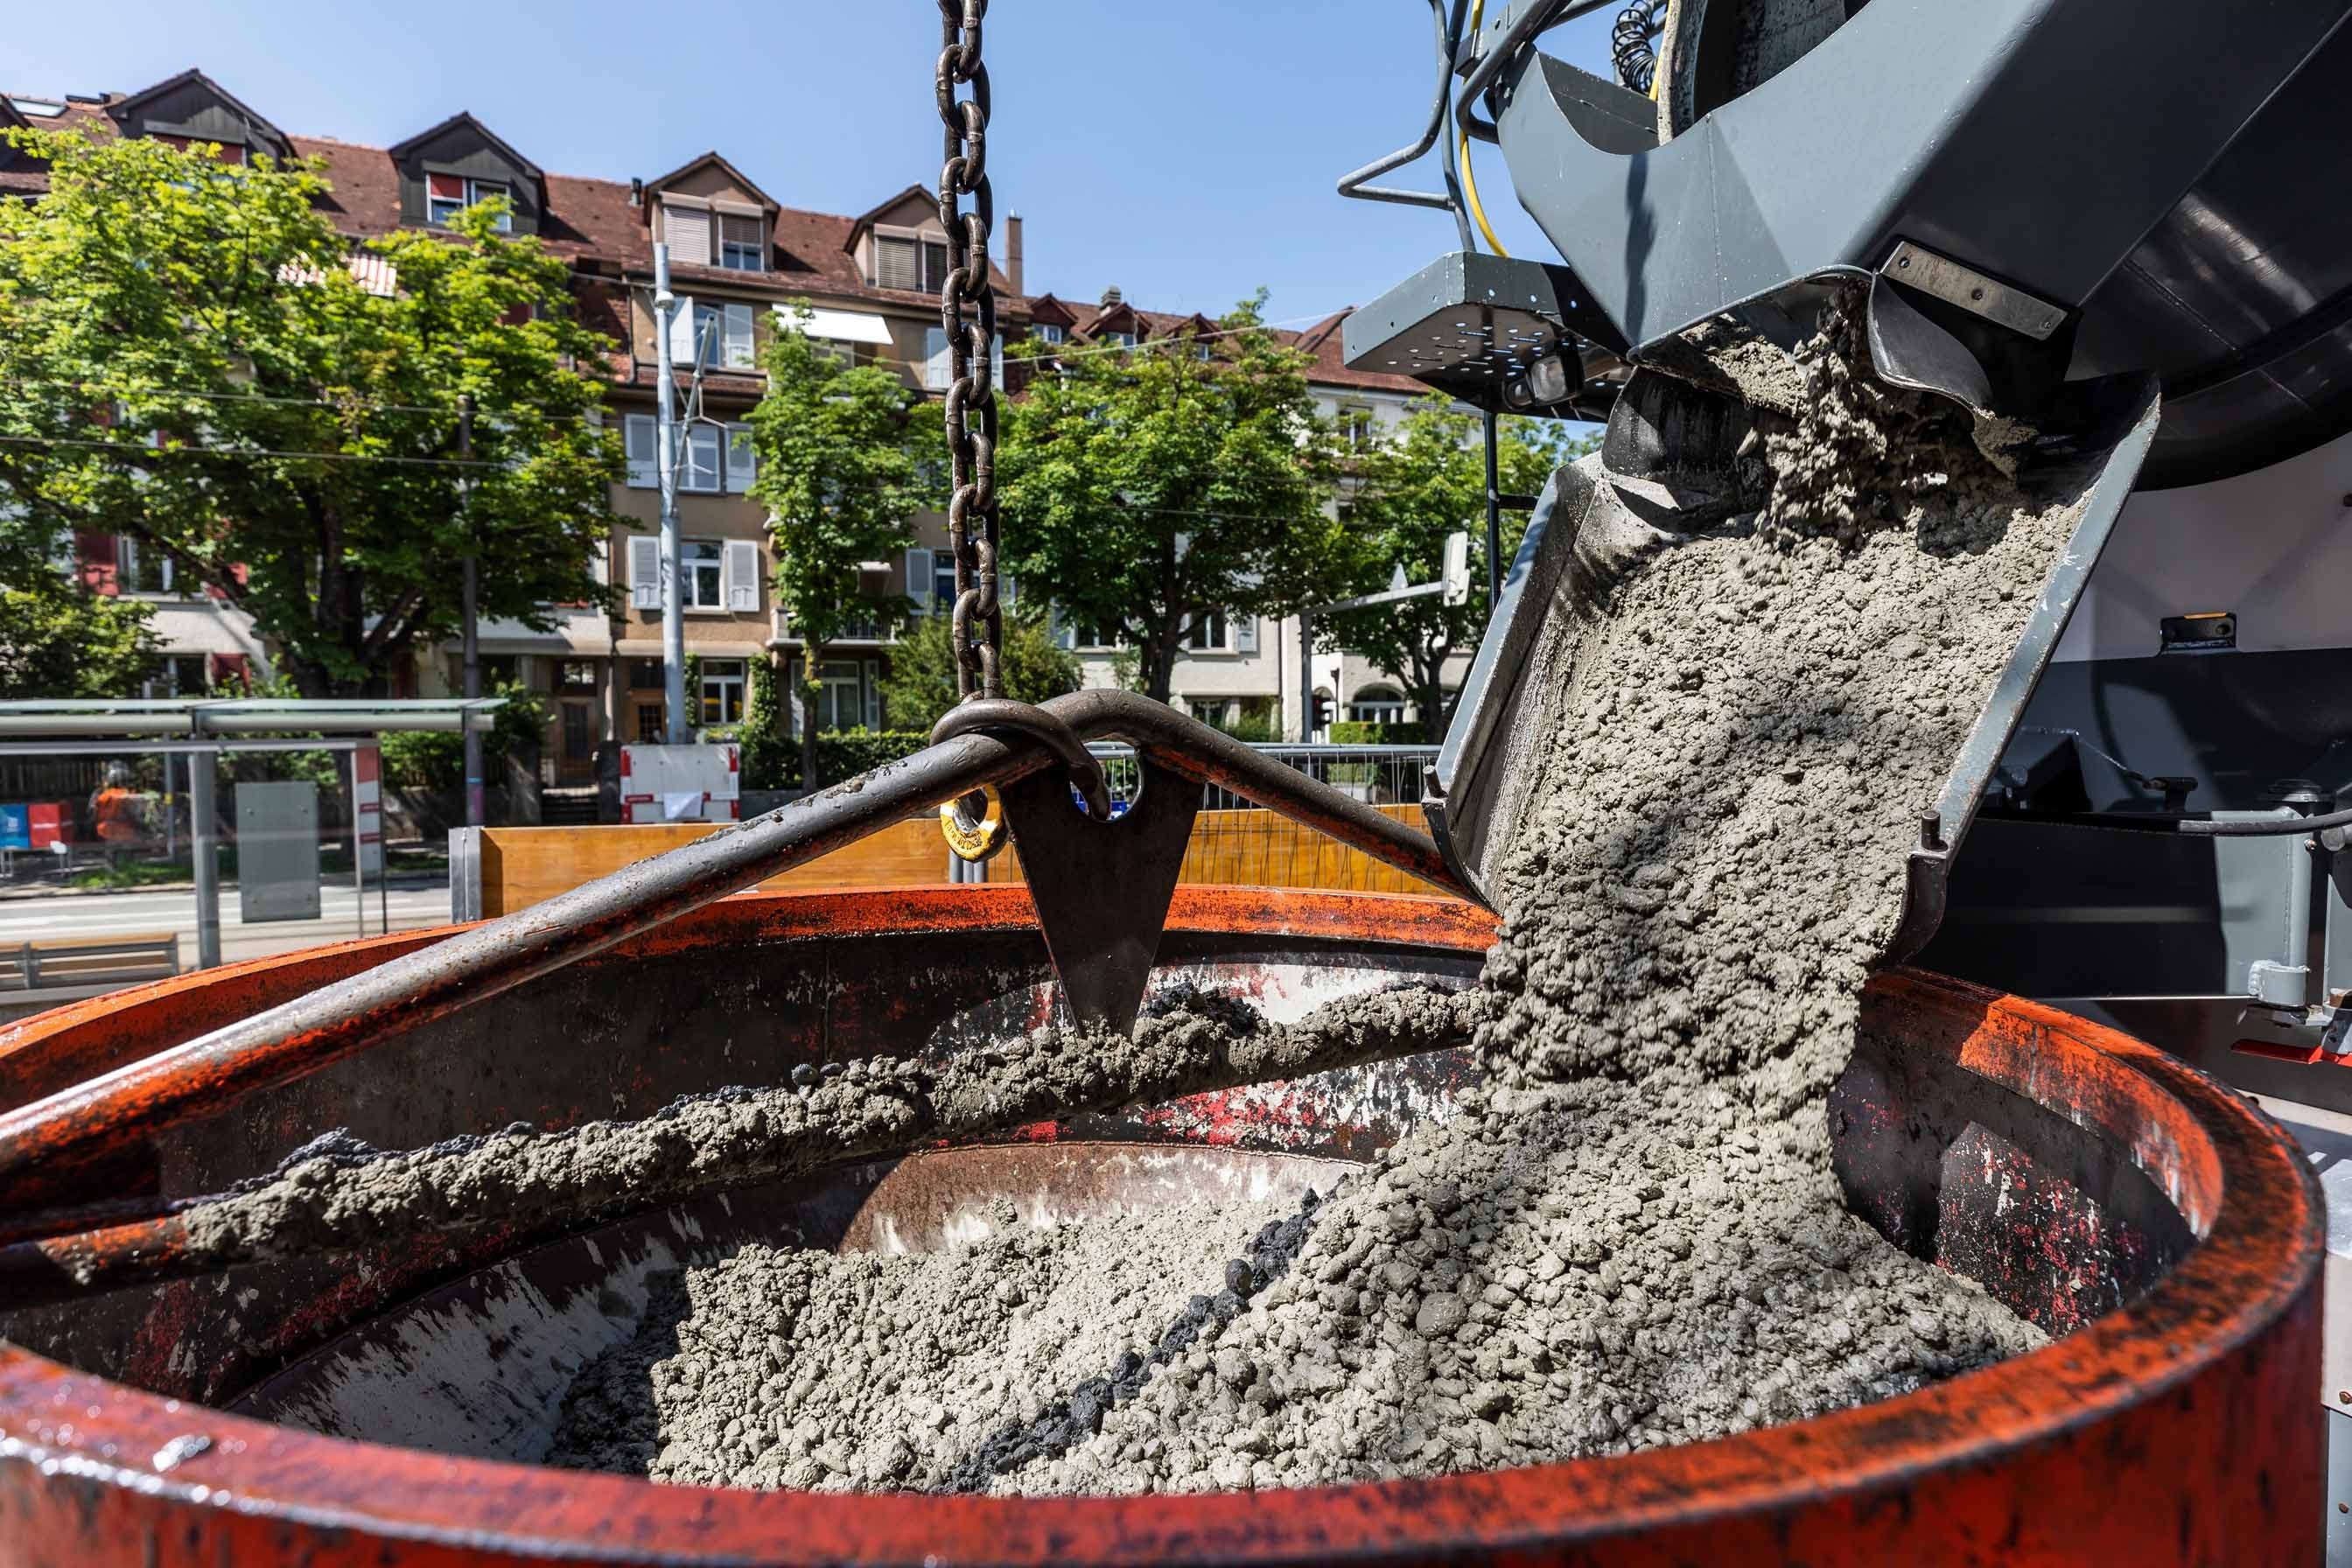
x=202 y=629
x=843 y=326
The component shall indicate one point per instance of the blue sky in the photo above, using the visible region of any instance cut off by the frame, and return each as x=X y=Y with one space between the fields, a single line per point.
x=1183 y=151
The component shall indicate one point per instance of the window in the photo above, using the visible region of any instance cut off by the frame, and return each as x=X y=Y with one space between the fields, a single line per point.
x=840 y=703
x=446 y=196
x=1124 y=339
x=1356 y=427
x=742 y=246
x=722 y=691
x=576 y=675
x=645 y=675
x=943 y=588
x=1217 y=713
x=710 y=341
x=701 y=569
x=743 y=459
x=1376 y=705
x=578 y=746
x=650 y=728
x=1207 y=633
x=699 y=460
x=910 y=262
x=1046 y=333
x=226 y=152
x=142 y=570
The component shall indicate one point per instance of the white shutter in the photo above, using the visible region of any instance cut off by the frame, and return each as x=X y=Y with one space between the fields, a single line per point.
x=681 y=334
x=1064 y=634
x=688 y=232
x=644 y=572
x=918 y=579
x=938 y=368
x=1005 y=593
x=742 y=566
x=894 y=263
x=743 y=459
x=996 y=361
x=1246 y=634
x=645 y=460
x=737 y=355
x=702 y=460
x=873 y=685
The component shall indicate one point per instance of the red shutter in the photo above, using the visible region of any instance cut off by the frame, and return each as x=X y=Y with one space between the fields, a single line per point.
x=99 y=562
x=448 y=187
x=229 y=667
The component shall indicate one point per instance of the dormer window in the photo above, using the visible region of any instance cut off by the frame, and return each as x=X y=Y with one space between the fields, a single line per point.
x=916 y=263
x=741 y=245
x=1048 y=332
x=226 y=152
x=446 y=196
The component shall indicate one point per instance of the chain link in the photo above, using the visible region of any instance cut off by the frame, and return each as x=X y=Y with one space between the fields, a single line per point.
x=973 y=528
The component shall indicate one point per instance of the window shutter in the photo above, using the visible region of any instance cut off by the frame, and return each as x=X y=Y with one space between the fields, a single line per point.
x=743 y=459
x=702 y=461
x=1246 y=634
x=894 y=263
x=918 y=579
x=644 y=572
x=1064 y=634
x=738 y=352
x=645 y=461
x=938 y=368
x=742 y=568
x=1005 y=593
x=689 y=231
x=872 y=695
x=681 y=334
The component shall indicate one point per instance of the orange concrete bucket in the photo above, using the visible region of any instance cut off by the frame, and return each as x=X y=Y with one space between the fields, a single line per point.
x=2168 y=1234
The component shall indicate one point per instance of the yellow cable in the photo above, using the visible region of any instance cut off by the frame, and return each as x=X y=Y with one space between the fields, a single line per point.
x=1470 y=181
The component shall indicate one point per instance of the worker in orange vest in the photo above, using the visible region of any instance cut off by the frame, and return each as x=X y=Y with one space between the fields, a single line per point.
x=114 y=810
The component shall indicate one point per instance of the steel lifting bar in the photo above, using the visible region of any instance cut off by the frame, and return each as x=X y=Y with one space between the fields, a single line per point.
x=47 y=1146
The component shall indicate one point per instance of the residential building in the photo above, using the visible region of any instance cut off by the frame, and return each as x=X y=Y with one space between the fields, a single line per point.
x=738 y=257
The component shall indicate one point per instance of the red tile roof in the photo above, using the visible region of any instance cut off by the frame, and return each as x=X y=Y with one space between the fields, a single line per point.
x=594 y=220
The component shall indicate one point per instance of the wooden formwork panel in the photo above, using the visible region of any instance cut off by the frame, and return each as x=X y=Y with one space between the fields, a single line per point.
x=525 y=866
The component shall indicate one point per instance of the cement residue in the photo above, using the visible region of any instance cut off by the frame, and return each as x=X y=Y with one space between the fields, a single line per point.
x=336 y=1192
x=1634 y=1236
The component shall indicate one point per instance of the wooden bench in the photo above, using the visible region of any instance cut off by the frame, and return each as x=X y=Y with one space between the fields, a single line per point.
x=87 y=966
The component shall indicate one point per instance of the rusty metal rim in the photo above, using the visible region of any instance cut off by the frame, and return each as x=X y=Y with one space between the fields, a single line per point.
x=2260 y=1255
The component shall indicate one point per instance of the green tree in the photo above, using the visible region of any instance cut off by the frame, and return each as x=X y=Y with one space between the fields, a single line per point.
x=1423 y=482
x=1145 y=491
x=192 y=362
x=838 y=478
x=921 y=684
x=58 y=638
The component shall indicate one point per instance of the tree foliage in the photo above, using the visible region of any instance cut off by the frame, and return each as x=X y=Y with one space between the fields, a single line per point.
x=58 y=639
x=838 y=478
x=1144 y=492
x=921 y=683
x=1425 y=480
x=194 y=363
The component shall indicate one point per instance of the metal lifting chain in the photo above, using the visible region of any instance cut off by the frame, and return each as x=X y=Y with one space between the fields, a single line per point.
x=973 y=528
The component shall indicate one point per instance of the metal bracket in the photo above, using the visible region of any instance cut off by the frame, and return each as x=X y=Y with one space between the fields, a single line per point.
x=1102 y=888
x=1973 y=291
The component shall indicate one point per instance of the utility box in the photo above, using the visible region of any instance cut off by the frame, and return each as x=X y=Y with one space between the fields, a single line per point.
x=276 y=852
x=16 y=827
x=48 y=823
x=682 y=783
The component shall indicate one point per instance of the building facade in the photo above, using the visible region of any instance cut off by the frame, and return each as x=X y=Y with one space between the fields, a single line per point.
x=740 y=260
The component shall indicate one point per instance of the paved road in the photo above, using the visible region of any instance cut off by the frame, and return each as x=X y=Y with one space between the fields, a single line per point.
x=101 y=915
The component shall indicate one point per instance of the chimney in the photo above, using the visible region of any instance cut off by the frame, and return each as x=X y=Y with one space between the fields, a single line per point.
x=1013 y=253
x=1111 y=296
x=637 y=192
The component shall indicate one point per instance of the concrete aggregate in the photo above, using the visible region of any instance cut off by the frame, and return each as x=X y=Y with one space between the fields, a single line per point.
x=1631 y=1234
